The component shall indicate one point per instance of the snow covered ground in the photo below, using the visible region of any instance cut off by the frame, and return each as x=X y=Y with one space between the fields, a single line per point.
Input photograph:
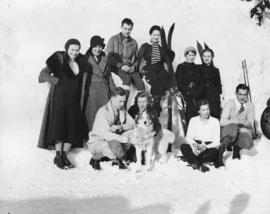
x=30 y=183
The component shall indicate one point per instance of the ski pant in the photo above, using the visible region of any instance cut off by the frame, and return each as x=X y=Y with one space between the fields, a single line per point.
x=129 y=78
x=112 y=149
x=208 y=155
x=232 y=135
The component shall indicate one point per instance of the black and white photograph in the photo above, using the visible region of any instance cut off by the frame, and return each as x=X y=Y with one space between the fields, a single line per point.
x=140 y=107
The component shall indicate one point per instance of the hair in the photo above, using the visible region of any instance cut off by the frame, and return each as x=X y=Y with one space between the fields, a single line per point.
x=241 y=86
x=127 y=21
x=202 y=103
x=118 y=91
x=143 y=94
x=208 y=50
x=153 y=28
x=72 y=42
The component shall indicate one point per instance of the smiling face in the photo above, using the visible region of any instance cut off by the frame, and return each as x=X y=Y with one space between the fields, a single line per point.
x=190 y=56
x=155 y=36
x=96 y=51
x=118 y=101
x=242 y=96
x=126 y=29
x=73 y=51
x=207 y=57
x=204 y=111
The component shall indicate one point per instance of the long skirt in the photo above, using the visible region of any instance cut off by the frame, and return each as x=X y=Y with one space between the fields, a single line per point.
x=66 y=122
x=98 y=96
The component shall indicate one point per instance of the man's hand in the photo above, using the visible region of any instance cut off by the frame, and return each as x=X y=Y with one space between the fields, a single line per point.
x=243 y=123
x=114 y=128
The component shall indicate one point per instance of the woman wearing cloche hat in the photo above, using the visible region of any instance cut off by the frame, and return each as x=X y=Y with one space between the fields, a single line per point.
x=96 y=88
x=190 y=82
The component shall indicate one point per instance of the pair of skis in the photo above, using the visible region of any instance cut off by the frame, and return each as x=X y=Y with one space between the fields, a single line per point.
x=175 y=95
x=246 y=81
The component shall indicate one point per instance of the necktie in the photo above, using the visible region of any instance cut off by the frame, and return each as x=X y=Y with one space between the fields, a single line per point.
x=117 y=118
x=241 y=108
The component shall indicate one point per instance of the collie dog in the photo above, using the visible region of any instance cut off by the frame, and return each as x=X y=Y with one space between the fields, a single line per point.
x=148 y=136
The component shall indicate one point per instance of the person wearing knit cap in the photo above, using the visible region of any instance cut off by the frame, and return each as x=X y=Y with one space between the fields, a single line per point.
x=100 y=83
x=152 y=65
x=190 y=49
x=190 y=82
x=126 y=48
x=63 y=124
x=213 y=88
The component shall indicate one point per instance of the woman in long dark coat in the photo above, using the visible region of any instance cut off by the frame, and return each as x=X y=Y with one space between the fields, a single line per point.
x=213 y=88
x=190 y=82
x=152 y=60
x=63 y=125
x=100 y=83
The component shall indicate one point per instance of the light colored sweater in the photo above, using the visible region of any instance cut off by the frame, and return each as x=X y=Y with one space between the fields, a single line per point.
x=230 y=114
x=203 y=130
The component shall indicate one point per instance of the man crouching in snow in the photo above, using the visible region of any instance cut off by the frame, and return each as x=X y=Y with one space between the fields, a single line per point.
x=105 y=139
x=237 y=121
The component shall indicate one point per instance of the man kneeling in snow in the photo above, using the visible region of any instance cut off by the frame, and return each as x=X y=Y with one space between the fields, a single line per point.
x=237 y=121
x=105 y=139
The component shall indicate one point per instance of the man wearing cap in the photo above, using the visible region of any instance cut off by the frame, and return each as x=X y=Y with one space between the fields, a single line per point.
x=237 y=121
x=127 y=48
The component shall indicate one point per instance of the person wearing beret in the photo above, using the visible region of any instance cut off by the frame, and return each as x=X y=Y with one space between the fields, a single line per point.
x=190 y=82
x=63 y=122
x=152 y=65
x=100 y=84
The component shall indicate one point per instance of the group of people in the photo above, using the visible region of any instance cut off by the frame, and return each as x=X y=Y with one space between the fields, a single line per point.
x=84 y=106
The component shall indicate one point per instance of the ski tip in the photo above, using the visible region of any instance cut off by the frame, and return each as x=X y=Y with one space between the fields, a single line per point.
x=206 y=46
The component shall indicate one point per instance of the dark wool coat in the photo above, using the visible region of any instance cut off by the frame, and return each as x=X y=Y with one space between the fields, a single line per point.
x=98 y=88
x=191 y=84
x=51 y=74
x=213 y=88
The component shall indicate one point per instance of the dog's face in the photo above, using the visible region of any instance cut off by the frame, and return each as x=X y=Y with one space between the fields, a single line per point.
x=145 y=120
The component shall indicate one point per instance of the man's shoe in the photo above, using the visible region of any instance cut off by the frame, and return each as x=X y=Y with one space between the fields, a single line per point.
x=118 y=162
x=95 y=164
x=203 y=168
